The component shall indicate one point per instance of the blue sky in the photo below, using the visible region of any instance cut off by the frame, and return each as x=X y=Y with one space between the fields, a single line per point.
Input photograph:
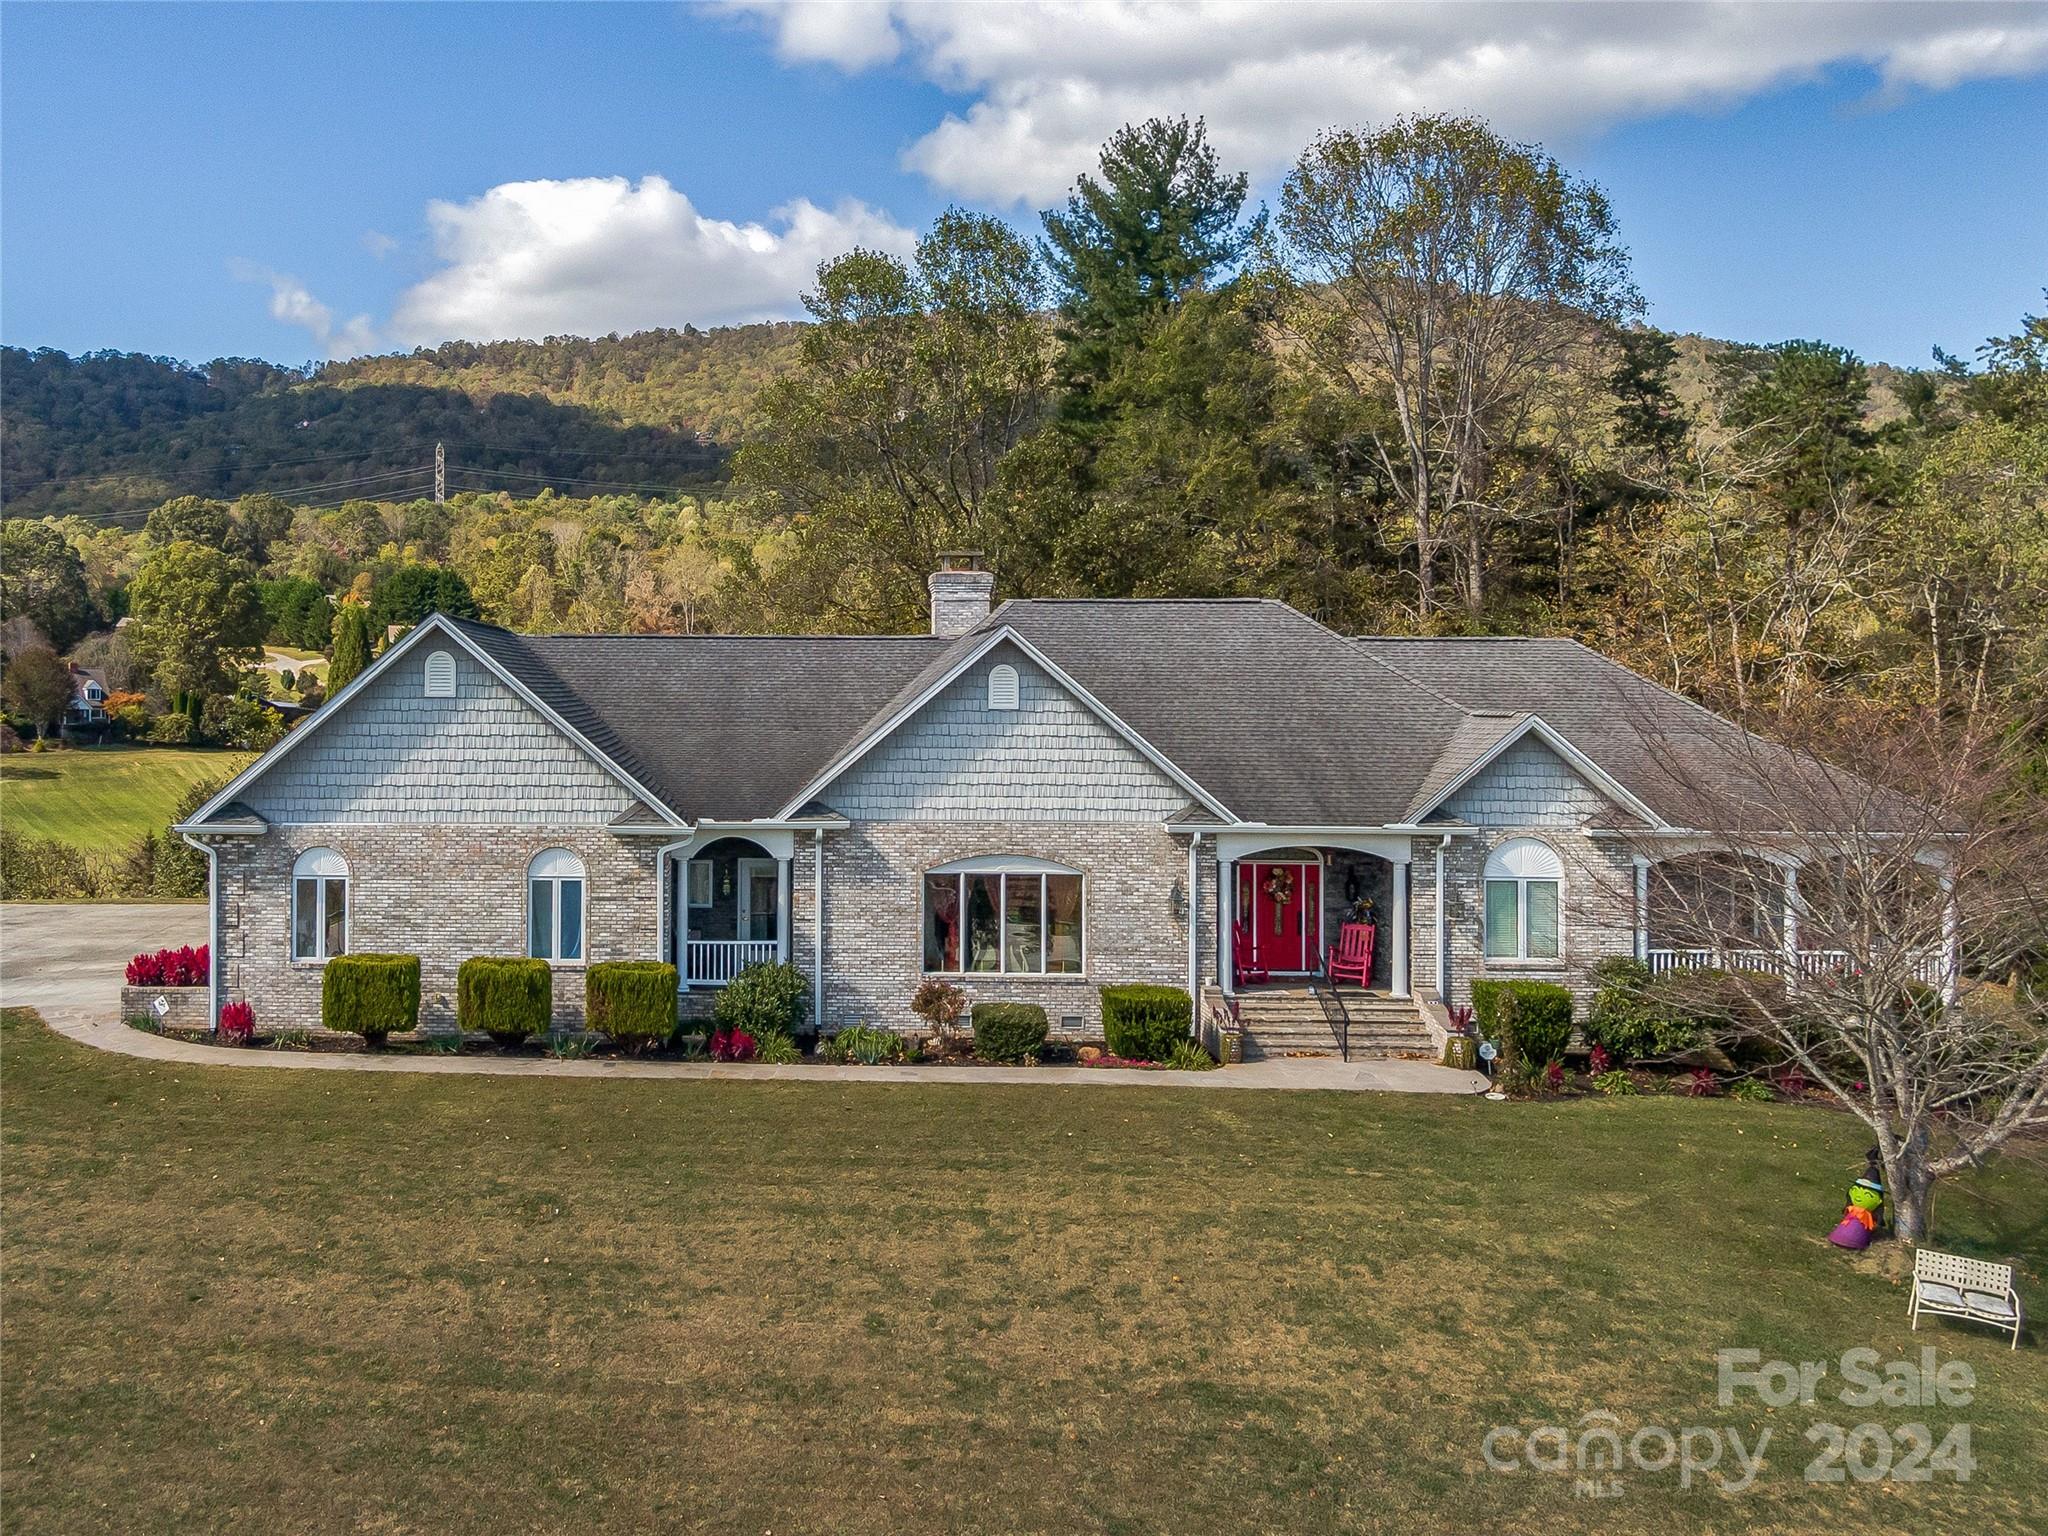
x=262 y=180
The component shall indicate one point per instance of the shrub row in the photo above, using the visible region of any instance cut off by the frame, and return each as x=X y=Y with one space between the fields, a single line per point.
x=631 y=1001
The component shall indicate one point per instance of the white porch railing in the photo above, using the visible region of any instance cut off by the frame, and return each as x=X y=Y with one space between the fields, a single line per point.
x=1809 y=964
x=714 y=962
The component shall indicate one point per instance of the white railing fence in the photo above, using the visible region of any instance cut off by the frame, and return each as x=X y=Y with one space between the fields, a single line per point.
x=714 y=962
x=1808 y=964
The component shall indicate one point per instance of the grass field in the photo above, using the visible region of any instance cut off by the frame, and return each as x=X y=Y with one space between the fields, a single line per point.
x=251 y=1300
x=102 y=798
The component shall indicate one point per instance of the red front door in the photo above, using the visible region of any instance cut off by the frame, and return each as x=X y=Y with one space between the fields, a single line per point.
x=1285 y=903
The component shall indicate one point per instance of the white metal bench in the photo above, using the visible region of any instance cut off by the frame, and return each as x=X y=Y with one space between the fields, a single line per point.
x=1949 y=1285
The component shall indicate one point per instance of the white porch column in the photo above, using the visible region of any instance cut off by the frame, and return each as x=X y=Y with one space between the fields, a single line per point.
x=1791 y=926
x=1226 y=922
x=1642 y=909
x=782 y=910
x=1400 y=976
x=818 y=935
x=1951 y=938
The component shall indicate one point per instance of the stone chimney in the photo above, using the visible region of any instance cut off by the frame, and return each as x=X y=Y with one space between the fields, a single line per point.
x=960 y=591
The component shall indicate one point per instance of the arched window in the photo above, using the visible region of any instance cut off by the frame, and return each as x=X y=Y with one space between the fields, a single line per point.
x=554 y=905
x=997 y=913
x=1524 y=879
x=440 y=676
x=319 y=905
x=1002 y=686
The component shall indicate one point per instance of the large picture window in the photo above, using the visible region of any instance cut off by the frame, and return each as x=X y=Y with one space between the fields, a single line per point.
x=319 y=905
x=1013 y=917
x=554 y=906
x=1524 y=879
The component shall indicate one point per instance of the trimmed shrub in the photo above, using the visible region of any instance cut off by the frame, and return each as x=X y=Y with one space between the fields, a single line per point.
x=1008 y=1031
x=1145 y=1023
x=370 y=995
x=633 y=1002
x=507 y=997
x=1533 y=1019
x=765 y=999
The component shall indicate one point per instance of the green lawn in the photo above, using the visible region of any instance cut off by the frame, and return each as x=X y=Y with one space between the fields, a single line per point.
x=249 y=1300
x=102 y=798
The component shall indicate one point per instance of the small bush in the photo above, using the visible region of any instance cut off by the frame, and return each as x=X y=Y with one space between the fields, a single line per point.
x=777 y=1049
x=632 y=1002
x=182 y=967
x=1145 y=1022
x=866 y=1046
x=766 y=999
x=237 y=1024
x=733 y=1045
x=1750 y=1091
x=173 y=730
x=1553 y=1077
x=939 y=1003
x=370 y=995
x=1616 y=1081
x=567 y=1047
x=1008 y=1031
x=506 y=997
x=1533 y=1019
x=1187 y=1056
x=1636 y=1016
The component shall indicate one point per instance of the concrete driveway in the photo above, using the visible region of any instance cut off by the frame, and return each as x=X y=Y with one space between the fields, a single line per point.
x=66 y=960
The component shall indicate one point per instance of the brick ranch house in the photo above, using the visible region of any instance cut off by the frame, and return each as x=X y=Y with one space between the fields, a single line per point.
x=1035 y=802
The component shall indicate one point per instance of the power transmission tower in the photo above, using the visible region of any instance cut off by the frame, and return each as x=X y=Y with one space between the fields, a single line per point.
x=440 y=472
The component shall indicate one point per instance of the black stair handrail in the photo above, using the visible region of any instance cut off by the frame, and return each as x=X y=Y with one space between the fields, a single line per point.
x=1336 y=1016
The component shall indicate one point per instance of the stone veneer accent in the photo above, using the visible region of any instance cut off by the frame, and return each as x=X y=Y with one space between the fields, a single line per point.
x=443 y=892
x=874 y=951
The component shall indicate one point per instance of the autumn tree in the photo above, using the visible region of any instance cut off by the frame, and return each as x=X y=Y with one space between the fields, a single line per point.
x=42 y=579
x=1451 y=272
x=193 y=518
x=881 y=450
x=36 y=684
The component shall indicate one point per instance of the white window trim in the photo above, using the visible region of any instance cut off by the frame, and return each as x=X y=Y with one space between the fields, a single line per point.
x=1496 y=871
x=319 y=877
x=1005 y=868
x=582 y=878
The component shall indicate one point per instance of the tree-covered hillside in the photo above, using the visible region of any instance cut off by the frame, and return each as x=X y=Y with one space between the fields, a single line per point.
x=109 y=435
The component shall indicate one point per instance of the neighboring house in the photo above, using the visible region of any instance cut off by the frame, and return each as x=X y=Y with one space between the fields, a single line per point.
x=1036 y=802
x=87 y=711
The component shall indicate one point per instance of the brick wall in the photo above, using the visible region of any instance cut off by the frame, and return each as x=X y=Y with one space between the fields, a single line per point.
x=874 y=944
x=443 y=892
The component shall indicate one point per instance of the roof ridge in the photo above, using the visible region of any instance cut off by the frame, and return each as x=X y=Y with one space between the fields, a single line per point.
x=1406 y=677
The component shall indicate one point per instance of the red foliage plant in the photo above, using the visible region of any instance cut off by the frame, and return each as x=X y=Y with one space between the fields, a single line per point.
x=732 y=1045
x=1553 y=1077
x=183 y=967
x=1701 y=1083
x=237 y=1024
x=1600 y=1061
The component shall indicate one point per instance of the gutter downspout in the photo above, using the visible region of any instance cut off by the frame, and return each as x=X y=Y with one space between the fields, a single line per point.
x=212 y=928
x=1443 y=949
x=1194 y=933
x=818 y=933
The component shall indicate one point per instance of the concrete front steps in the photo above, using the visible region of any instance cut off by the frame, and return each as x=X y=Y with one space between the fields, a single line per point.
x=1291 y=1021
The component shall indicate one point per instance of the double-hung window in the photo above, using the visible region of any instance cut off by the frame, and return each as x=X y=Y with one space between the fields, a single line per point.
x=1524 y=880
x=319 y=905
x=554 y=905
x=1005 y=916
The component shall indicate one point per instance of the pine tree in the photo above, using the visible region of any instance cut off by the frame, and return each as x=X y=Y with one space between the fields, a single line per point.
x=352 y=641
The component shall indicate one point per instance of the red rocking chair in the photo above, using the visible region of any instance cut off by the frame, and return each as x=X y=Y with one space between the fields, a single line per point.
x=1243 y=968
x=1351 y=957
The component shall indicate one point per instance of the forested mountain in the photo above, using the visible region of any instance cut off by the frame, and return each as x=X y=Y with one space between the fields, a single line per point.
x=109 y=435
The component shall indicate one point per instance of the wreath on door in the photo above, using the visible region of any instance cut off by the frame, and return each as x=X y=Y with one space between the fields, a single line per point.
x=1280 y=888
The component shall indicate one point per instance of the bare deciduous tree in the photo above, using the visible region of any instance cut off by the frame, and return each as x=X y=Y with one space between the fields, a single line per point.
x=1878 y=925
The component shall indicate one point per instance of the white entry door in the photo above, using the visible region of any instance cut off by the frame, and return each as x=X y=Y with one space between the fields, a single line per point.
x=759 y=899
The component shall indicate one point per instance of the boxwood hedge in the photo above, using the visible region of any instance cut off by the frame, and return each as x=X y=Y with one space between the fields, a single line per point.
x=633 y=1002
x=370 y=995
x=1008 y=1031
x=507 y=997
x=1533 y=1019
x=1145 y=1023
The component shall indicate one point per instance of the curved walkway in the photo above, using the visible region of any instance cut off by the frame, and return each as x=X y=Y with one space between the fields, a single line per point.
x=61 y=961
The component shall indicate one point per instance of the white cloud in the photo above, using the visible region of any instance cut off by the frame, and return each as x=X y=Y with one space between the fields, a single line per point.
x=294 y=304
x=595 y=254
x=1052 y=78
x=378 y=244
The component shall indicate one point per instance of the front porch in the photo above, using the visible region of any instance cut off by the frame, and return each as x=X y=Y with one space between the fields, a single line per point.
x=730 y=908
x=1284 y=909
